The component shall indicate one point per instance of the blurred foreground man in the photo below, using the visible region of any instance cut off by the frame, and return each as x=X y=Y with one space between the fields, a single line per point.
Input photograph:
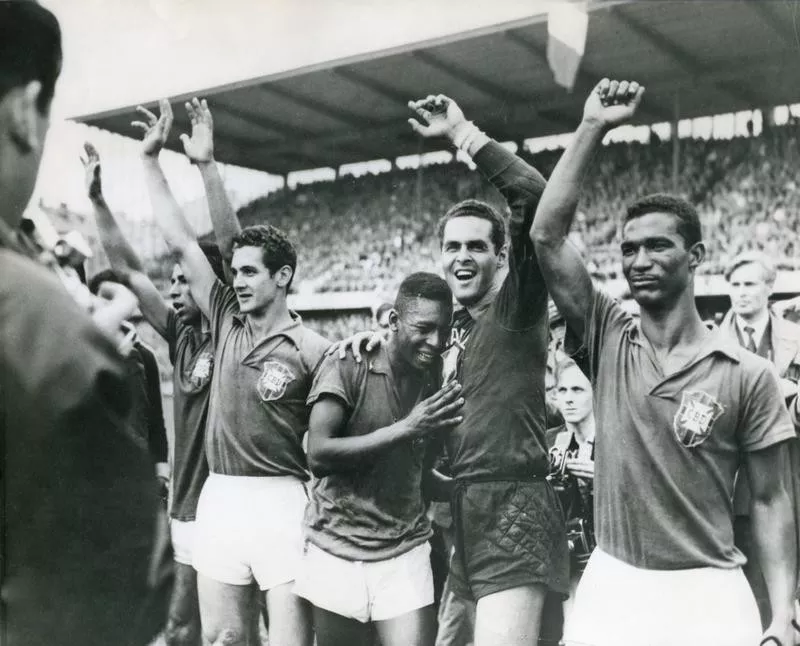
x=679 y=408
x=78 y=497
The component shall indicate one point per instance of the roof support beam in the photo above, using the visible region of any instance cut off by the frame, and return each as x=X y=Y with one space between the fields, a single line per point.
x=738 y=92
x=377 y=87
x=259 y=121
x=587 y=77
x=767 y=15
x=338 y=114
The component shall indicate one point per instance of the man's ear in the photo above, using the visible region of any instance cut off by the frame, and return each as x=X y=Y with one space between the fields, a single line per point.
x=502 y=257
x=283 y=276
x=25 y=121
x=394 y=319
x=697 y=254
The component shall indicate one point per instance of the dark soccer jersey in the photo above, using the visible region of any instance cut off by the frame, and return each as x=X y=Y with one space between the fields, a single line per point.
x=193 y=364
x=257 y=413
x=500 y=359
x=668 y=446
x=376 y=512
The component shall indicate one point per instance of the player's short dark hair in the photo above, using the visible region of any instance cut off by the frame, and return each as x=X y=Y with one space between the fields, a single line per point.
x=30 y=49
x=476 y=209
x=214 y=257
x=688 y=220
x=423 y=284
x=103 y=276
x=278 y=250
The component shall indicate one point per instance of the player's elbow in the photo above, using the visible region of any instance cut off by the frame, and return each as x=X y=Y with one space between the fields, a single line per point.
x=318 y=462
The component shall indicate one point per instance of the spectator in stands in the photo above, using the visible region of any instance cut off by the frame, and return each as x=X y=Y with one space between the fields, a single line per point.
x=78 y=495
x=749 y=322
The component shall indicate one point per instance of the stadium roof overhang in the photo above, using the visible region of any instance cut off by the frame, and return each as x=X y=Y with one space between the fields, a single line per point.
x=700 y=56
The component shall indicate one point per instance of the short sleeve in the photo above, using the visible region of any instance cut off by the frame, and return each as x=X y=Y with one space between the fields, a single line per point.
x=333 y=377
x=765 y=420
x=223 y=307
x=604 y=319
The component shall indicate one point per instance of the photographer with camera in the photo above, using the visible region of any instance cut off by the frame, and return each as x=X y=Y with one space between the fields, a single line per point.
x=571 y=448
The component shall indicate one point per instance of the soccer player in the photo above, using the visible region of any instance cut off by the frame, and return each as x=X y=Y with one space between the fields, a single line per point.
x=250 y=512
x=78 y=496
x=510 y=546
x=186 y=332
x=509 y=536
x=678 y=407
x=751 y=324
x=367 y=556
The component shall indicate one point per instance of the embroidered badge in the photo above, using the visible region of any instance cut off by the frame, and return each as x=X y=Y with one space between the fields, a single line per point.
x=274 y=378
x=695 y=417
x=202 y=368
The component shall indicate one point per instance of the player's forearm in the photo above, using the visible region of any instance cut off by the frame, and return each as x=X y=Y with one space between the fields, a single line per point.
x=559 y=201
x=773 y=525
x=120 y=254
x=336 y=454
x=223 y=217
x=169 y=216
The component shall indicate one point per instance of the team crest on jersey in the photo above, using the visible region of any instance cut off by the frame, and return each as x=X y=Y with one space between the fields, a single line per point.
x=202 y=368
x=274 y=378
x=695 y=417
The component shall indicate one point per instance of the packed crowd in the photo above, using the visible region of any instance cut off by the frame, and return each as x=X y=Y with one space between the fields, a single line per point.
x=511 y=459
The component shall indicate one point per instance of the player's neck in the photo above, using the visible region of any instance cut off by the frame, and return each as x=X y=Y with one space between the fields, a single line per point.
x=479 y=309
x=274 y=316
x=677 y=324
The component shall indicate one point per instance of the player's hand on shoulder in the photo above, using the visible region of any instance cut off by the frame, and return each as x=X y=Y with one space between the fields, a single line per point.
x=91 y=172
x=199 y=148
x=612 y=103
x=155 y=129
x=440 y=411
x=366 y=341
x=441 y=114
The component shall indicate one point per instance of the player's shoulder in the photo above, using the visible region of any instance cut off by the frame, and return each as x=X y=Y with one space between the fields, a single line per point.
x=310 y=343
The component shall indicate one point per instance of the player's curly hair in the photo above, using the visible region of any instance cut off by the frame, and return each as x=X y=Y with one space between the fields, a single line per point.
x=278 y=250
x=688 y=221
x=476 y=209
x=423 y=284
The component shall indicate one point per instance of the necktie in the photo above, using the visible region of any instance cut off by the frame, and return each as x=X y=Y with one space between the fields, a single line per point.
x=751 y=342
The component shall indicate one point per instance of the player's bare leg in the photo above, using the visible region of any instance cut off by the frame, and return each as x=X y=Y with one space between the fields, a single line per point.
x=415 y=628
x=183 y=619
x=225 y=612
x=510 y=618
x=289 y=617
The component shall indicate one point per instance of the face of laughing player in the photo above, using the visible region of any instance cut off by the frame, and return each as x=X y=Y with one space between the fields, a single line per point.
x=255 y=285
x=420 y=330
x=181 y=296
x=656 y=261
x=469 y=258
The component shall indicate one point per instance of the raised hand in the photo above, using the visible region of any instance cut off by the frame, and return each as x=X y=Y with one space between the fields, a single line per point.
x=442 y=114
x=199 y=148
x=437 y=412
x=156 y=129
x=612 y=103
x=91 y=172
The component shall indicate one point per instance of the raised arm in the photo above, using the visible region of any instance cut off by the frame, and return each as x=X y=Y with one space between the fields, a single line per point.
x=168 y=214
x=199 y=149
x=124 y=260
x=329 y=453
x=610 y=104
x=774 y=532
x=519 y=183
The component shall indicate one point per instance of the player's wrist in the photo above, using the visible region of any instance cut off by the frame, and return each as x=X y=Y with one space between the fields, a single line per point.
x=467 y=137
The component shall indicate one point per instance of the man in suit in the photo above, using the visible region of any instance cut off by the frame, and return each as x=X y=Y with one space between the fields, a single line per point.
x=751 y=277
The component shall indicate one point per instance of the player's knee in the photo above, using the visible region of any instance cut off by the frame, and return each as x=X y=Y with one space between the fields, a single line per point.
x=225 y=637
